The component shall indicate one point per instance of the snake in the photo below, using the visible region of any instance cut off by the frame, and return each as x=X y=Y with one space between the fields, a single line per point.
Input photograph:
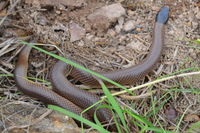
x=66 y=95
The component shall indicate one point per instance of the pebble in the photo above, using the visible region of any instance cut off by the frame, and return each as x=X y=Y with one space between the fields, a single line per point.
x=77 y=32
x=195 y=24
x=129 y=25
x=121 y=21
x=89 y=36
x=198 y=15
x=170 y=113
x=192 y=53
x=191 y=118
x=112 y=12
x=81 y=43
x=130 y=13
x=42 y=21
x=111 y=32
x=119 y=26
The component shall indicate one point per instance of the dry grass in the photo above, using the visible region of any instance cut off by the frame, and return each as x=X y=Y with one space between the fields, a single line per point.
x=107 y=52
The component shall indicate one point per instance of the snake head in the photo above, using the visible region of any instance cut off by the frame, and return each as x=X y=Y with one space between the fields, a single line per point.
x=163 y=15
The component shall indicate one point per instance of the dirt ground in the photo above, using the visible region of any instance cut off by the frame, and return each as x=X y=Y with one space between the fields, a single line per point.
x=101 y=44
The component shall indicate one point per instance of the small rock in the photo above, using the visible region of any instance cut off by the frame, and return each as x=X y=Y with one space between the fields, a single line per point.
x=120 y=25
x=89 y=36
x=195 y=24
x=42 y=21
x=58 y=12
x=81 y=44
x=118 y=28
x=111 y=32
x=137 y=45
x=191 y=50
x=37 y=64
x=122 y=38
x=121 y=21
x=129 y=25
x=76 y=32
x=170 y=112
x=192 y=117
x=192 y=53
x=100 y=23
x=102 y=17
x=130 y=13
x=198 y=15
x=191 y=14
x=111 y=12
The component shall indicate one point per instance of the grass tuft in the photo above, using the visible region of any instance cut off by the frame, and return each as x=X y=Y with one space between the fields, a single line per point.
x=138 y=120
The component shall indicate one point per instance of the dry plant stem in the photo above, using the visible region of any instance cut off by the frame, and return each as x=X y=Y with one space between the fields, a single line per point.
x=154 y=82
x=121 y=103
x=42 y=117
x=17 y=102
x=4 y=44
x=125 y=96
x=6 y=64
x=140 y=39
x=5 y=71
x=11 y=8
x=5 y=47
x=178 y=125
x=16 y=53
x=137 y=97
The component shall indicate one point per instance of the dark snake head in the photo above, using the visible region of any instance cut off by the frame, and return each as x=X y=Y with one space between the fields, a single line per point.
x=163 y=15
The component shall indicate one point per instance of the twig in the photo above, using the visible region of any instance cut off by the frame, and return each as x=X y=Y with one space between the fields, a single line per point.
x=4 y=18
x=137 y=97
x=154 y=82
x=5 y=71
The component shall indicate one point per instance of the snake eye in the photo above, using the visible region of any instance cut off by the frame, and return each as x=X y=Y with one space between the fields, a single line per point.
x=163 y=15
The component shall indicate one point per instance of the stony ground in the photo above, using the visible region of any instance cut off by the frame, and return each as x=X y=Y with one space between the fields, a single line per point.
x=104 y=35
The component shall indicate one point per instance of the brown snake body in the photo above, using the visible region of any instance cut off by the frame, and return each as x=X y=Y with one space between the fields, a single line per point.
x=76 y=100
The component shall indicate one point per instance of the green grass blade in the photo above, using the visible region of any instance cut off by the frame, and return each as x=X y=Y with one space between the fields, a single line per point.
x=148 y=125
x=139 y=118
x=177 y=72
x=193 y=128
x=115 y=119
x=6 y=75
x=158 y=108
x=197 y=41
x=157 y=130
x=114 y=104
x=30 y=78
